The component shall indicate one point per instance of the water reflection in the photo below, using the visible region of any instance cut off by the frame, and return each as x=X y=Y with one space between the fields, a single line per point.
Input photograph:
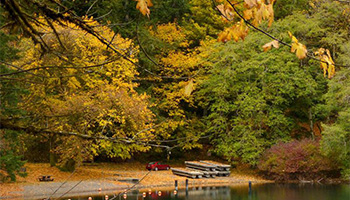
x=259 y=192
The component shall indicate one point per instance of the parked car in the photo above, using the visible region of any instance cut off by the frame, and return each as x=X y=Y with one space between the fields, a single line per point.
x=157 y=166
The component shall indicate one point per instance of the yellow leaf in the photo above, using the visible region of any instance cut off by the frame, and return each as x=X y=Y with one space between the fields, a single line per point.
x=312 y=5
x=226 y=12
x=142 y=6
x=326 y=62
x=265 y=11
x=297 y=47
x=248 y=14
x=250 y=3
x=243 y=30
x=272 y=15
x=189 y=88
x=239 y=30
x=268 y=46
x=223 y=36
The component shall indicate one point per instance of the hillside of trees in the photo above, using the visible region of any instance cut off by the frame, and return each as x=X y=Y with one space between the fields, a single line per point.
x=260 y=82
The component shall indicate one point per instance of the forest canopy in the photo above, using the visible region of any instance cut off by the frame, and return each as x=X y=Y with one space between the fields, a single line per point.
x=87 y=78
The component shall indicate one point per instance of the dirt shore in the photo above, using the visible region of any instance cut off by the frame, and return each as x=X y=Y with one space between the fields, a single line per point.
x=106 y=178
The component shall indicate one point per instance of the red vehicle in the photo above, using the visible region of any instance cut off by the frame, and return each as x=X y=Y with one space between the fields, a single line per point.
x=157 y=166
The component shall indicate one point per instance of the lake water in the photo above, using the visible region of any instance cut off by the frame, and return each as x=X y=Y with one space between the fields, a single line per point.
x=258 y=192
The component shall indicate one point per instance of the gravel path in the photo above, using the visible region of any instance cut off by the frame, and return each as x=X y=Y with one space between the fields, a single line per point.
x=47 y=189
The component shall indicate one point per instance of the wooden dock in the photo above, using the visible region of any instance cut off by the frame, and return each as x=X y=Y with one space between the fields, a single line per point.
x=203 y=168
x=200 y=166
x=218 y=166
x=206 y=174
x=187 y=172
x=222 y=169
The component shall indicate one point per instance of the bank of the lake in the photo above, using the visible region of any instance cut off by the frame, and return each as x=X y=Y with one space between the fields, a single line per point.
x=104 y=178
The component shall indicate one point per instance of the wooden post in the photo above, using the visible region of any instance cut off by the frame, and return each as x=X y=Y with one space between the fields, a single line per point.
x=250 y=188
x=186 y=187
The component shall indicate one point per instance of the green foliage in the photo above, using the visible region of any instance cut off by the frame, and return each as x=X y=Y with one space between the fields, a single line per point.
x=202 y=21
x=68 y=166
x=284 y=8
x=10 y=161
x=255 y=99
x=251 y=97
x=10 y=92
x=336 y=136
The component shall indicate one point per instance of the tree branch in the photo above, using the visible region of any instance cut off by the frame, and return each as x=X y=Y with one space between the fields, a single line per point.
x=33 y=130
x=254 y=27
x=342 y=1
x=20 y=70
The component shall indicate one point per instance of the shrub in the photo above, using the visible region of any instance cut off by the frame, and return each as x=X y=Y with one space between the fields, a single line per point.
x=296 y=160
x=11 y=164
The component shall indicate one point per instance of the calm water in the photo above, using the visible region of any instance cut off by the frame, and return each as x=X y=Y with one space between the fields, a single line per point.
x=259 y=192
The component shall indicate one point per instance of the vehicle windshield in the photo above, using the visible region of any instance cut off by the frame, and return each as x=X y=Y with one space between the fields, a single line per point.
x=151 y=163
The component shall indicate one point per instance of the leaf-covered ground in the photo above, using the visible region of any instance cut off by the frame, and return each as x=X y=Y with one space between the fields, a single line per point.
x=110 y=173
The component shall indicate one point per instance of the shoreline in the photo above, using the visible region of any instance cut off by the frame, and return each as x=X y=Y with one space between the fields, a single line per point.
x=92 y=187
x=106 y=177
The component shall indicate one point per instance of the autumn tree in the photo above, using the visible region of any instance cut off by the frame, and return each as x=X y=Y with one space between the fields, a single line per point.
x=83 y=88
x=188 y=64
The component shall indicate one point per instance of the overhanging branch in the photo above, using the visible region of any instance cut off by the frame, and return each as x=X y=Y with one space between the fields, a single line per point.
x=34 y=130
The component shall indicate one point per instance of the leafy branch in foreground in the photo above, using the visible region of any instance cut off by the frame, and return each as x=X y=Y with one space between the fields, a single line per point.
x=256 y=11
x=23 y=17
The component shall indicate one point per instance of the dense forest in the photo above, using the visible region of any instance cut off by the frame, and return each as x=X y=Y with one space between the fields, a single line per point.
x=261 y=82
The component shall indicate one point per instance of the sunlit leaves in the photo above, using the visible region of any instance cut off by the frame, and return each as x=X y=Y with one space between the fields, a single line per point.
x=298 y=48
x=254 y=11
x=327 y=63
x=260 y=13
x=226 y=11
x=251 y=3
x=174 y=97
x=143 y=6
x=170 y=33
x=271 y=44
x=90 y=87
x=236 y=32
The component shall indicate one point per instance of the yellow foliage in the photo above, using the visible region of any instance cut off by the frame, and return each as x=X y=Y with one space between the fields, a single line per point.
x=83 y=87
x=327 y=63
x=236 y=32
x=226 y=11
x=254 y=10
x=170 y=33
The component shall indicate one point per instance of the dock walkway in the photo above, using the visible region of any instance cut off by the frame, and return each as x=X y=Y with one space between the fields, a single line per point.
x=203 y=168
